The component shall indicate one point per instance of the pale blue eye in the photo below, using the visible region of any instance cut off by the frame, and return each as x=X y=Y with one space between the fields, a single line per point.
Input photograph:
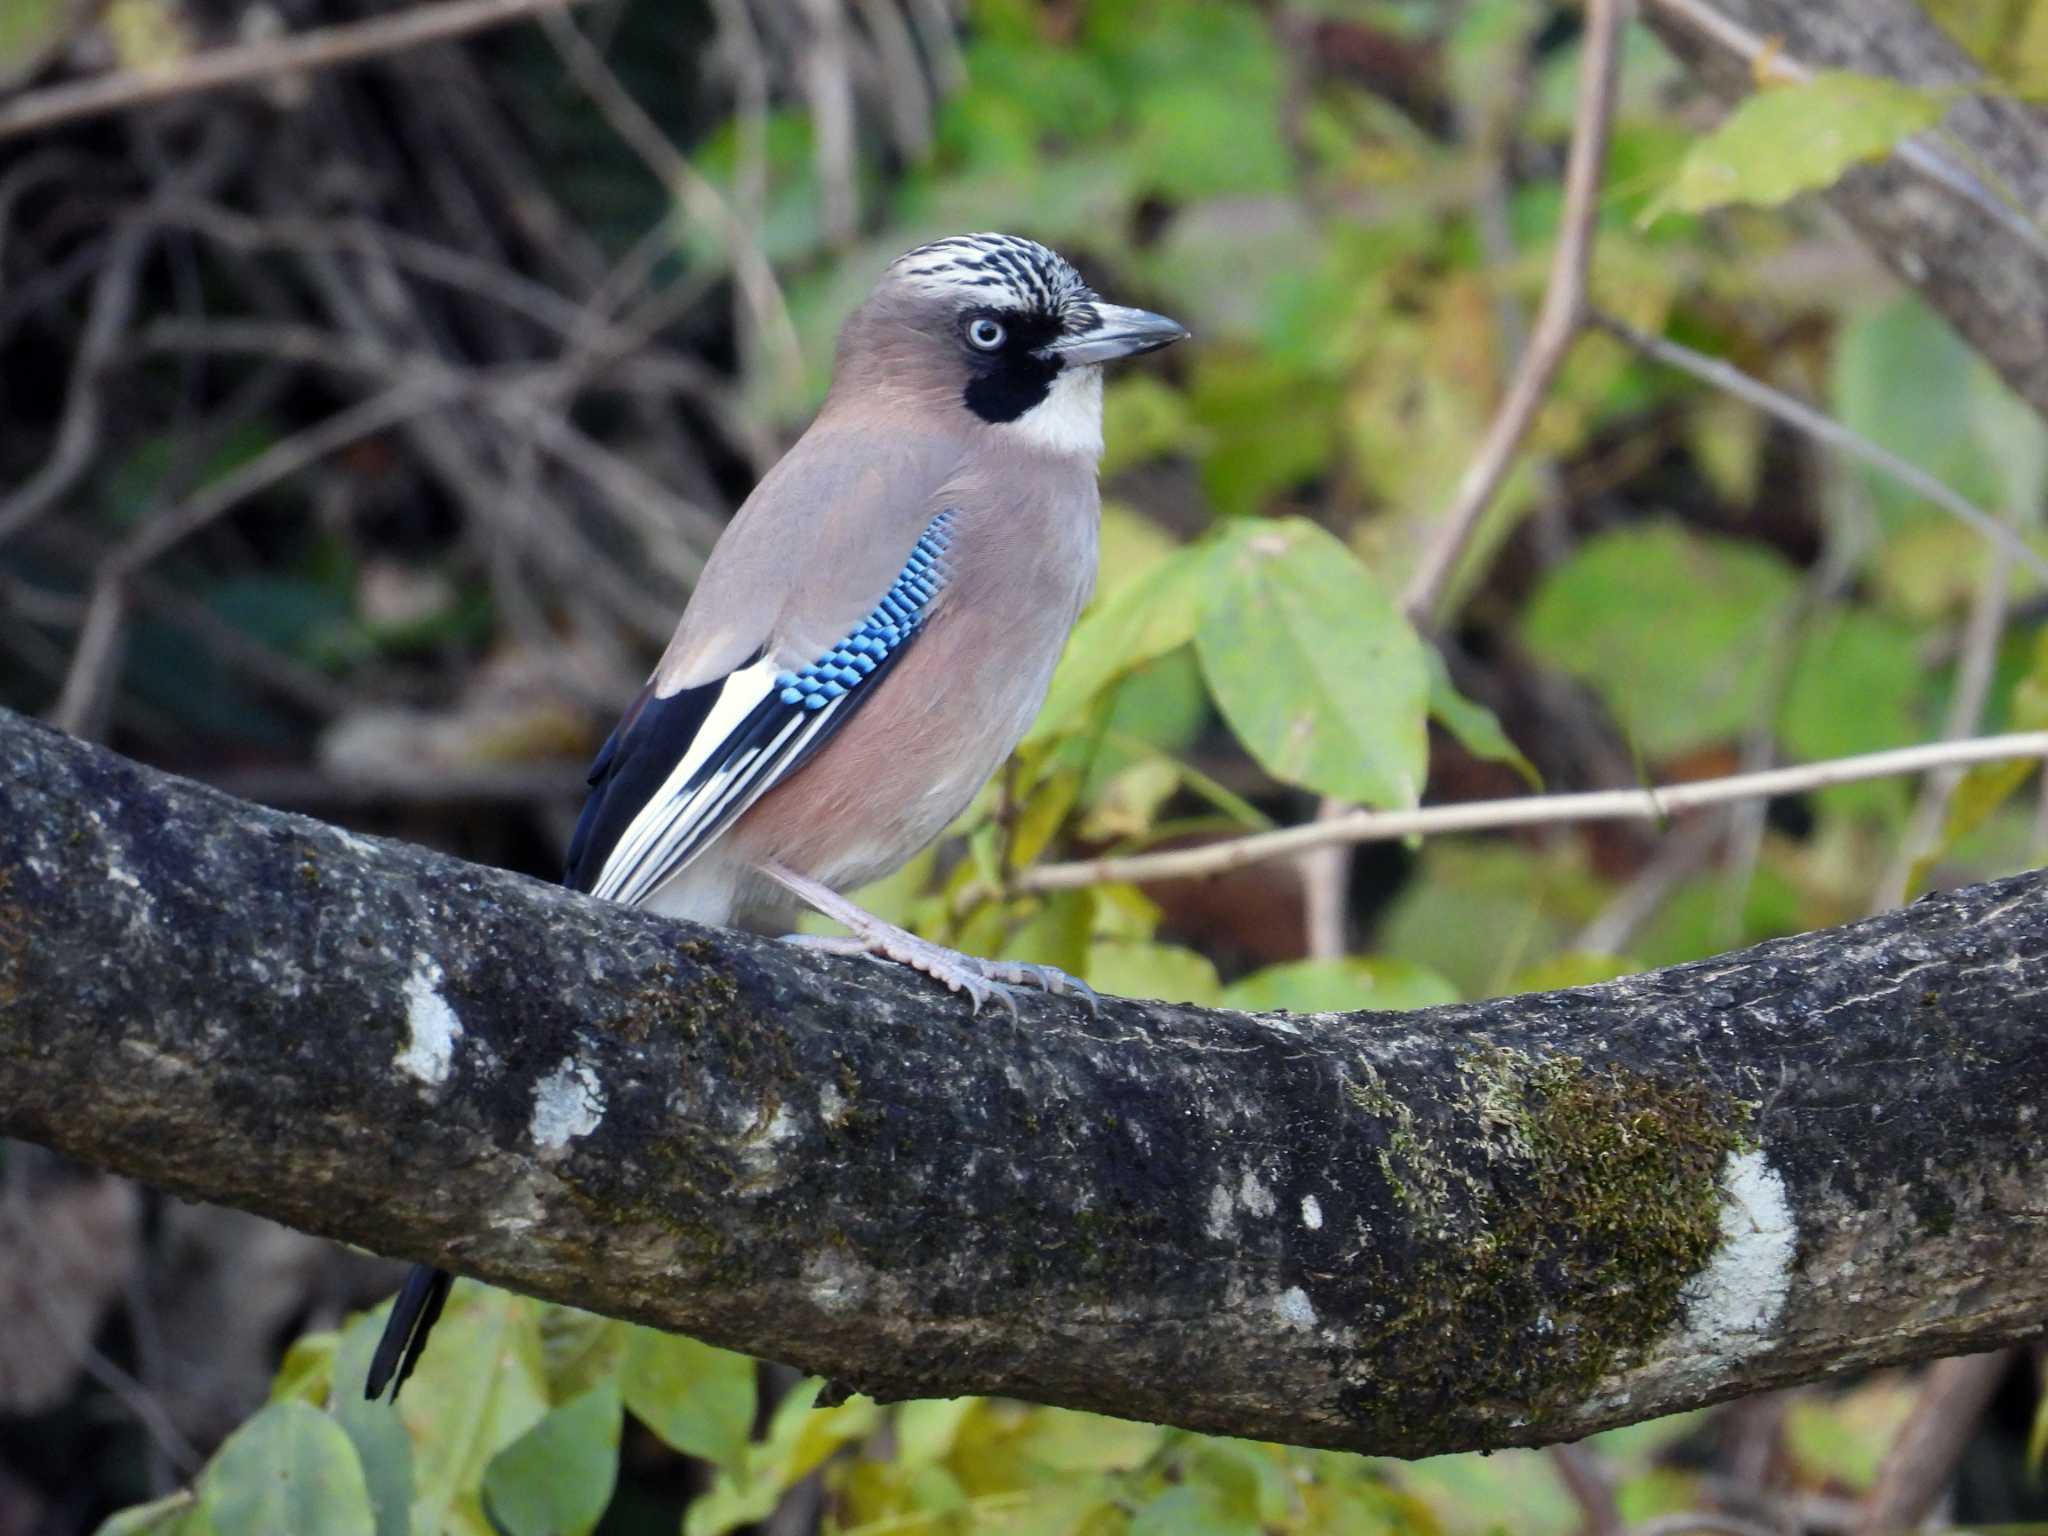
x=986 y=334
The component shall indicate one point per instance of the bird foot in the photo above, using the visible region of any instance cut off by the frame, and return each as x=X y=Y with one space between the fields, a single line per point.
x=871 y=936
x=980 y=979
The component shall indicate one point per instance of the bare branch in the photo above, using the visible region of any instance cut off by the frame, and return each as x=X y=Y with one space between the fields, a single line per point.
x=1658 y=804
x=1924 y=1458
x=1825 y=429
x=260 y=62
x=1557 y=321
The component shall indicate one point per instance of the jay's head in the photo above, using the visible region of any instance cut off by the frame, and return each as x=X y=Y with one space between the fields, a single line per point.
x=1000 y=329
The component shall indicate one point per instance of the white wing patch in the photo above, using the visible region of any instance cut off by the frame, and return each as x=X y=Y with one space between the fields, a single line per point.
x=661 y=838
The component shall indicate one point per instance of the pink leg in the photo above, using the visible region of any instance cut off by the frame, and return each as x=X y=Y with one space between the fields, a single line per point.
x=979 y=979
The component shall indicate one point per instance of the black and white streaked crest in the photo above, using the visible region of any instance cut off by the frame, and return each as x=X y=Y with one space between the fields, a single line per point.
x=1004 y=271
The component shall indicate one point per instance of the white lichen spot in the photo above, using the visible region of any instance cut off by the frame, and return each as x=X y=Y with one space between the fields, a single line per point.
x=431 y=1026
x=1293 y=1308
x=1732 y=1306
x=831 y=1104
x=1312 y=1213
x=835 y=1284
x=1254 y=1196
x=1222 y=1223
x=121 y=876
x=567 y=1103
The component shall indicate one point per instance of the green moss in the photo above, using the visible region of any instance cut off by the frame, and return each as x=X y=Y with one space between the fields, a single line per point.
x=1557 y=1244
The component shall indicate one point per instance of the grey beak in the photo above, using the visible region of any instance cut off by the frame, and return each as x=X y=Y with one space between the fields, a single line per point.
x=1119 y=332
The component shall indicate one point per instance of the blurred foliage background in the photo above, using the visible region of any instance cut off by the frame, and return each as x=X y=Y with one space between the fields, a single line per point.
x=360 y=437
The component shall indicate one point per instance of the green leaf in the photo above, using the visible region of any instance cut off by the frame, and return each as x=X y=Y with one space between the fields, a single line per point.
x=175 y=1515
x=698 y=1399
x=1313 y=666
x=1339 y=986
x=479 y=1388
x=557 y=1478
x=290 y=1468
x=1479 y=913
x=1785 y=140
x=1192 y=1511
x=1265 y=426
x=1162 y=971
x=1857 y=686
x=374 y=1429
x=1139 y=622
x=1666 y=625
x=1473 y=726
x=1901 y=376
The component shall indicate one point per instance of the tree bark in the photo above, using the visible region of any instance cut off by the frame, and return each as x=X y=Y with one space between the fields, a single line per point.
x=1497 y=1224
x=1988 y=279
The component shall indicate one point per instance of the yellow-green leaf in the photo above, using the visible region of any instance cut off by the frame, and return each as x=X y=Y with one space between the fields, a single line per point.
x=1795 y=138
x=1312 y=664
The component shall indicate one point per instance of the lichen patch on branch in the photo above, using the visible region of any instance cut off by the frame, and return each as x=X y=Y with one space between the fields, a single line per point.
x=1733 y=1306
x=431 y=1026
x=567 y=1103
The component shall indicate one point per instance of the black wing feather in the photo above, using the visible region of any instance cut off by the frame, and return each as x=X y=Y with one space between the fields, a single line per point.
x=630 y=769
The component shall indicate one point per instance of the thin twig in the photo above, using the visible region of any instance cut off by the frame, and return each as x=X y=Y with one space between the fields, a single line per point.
x=827 y=81
x=1923 y=1459
x=1979 y=659
x=1325 y=891
x=78 y=430
x=1587 y=1481
x=1529 y=811
x=286 y=457
x=1614 y=927
x=699 y=199
x=1804 y=418
x=259 y=63
x=1557 y=322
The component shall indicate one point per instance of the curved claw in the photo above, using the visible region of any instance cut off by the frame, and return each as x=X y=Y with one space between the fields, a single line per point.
x=1049 y=979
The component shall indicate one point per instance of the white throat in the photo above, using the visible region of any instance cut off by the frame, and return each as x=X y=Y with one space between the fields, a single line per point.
x=1069 y=419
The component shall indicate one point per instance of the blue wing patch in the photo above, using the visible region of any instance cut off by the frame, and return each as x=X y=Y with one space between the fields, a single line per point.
x=679 y=770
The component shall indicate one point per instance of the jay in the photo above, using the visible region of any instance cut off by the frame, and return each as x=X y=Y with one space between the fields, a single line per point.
x=874 y=631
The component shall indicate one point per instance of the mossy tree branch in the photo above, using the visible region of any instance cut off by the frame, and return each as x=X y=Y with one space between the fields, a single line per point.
x=1497 y=1224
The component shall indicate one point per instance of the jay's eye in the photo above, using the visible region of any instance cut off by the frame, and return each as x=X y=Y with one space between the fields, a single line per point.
x=986 y=335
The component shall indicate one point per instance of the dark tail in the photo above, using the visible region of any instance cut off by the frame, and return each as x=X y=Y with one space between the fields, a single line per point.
x=413 y=1316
